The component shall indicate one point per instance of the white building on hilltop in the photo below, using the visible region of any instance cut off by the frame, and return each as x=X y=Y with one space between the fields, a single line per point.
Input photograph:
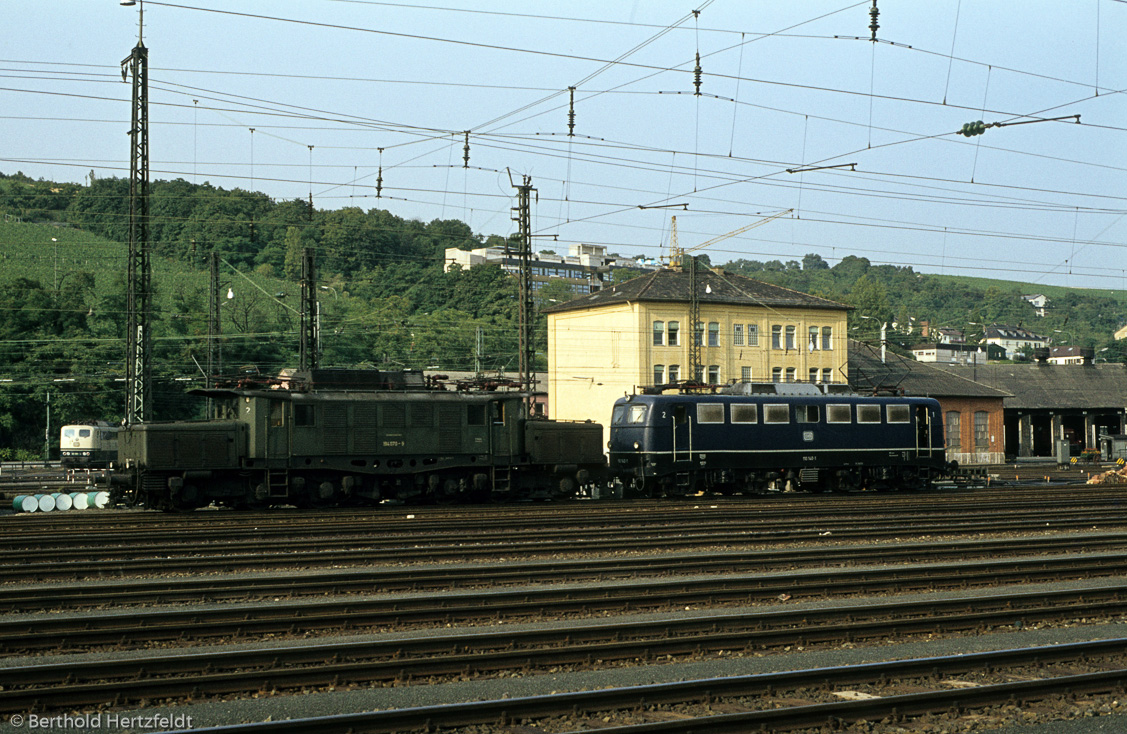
x=585 y=268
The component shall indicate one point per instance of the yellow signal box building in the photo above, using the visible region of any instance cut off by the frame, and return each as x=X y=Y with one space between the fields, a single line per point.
x=615 y=341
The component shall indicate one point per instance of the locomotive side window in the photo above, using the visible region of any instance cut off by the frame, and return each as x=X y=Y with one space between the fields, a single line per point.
x=806 y=413
x=680 y=414
x=868 y=414
x=776 y=414
x=475 y=415
x=710 y=413
x=745 y=413
x=303 y=415
x=838 y=414
x=899 y=414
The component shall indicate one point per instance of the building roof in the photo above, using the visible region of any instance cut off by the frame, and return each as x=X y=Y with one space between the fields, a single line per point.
x=1036 y=385
x=1001 y=331
x=867 y=373
x=713 y=287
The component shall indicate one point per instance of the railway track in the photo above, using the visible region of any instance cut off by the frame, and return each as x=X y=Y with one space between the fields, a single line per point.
x=776 y=701
x=92 y=594
x=138 y=629
x=432 y=658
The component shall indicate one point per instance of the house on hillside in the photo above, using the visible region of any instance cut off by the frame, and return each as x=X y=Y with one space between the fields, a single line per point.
x=954 y=353
x=584 y=268
x=1071 y=355
x=1039 y=302
x=1013 y=339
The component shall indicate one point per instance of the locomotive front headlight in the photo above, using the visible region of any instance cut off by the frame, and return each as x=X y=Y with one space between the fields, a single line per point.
x=637 y=446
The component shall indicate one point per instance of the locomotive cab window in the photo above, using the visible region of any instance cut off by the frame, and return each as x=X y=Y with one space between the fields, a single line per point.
x=475 y=415
x=776 y=414
x=84 y=433
x=745 y=413
x=629 y=415
x=868 y=414
x=838 y=414
x=806 y=413
x=68 y=432
x=899 y=414
x=680 y=414
x=710 y=413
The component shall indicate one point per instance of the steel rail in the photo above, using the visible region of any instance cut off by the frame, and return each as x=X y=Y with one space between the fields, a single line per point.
x=709 y=690
x=39 y=632
x=57 y=597
x=14 y=567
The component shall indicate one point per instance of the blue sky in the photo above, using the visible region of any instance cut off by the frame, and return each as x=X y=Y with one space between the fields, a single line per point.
x=783 y=86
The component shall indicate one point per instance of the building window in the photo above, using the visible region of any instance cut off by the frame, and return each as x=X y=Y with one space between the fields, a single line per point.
x=714 y=374
x=745 y=374
x=753 y=335
x=674 y=330
x=674 y=372
x=776 y=374
x=790 y=374
x=813 y=374
x=812 y=345
x=659 y=374
x=827 y=375
x=981 y=430
x=713 y=334
x=699 y=376
x=737 y=335
x=954 y=430
x=827 y=337
x=776 y=336
x=659 y=333
x=698 y=334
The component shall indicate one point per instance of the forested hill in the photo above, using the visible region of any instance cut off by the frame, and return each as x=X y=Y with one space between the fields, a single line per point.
x=385 y=300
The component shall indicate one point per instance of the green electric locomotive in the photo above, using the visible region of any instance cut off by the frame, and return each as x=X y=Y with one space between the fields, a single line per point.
x=328 y=436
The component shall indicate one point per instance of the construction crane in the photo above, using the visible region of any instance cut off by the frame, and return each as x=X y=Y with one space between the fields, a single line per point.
x=676 y=258
x=677 y=255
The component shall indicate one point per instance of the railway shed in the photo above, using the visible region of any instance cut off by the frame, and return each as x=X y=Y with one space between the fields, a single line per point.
x=1046 y=403
x=973 y=412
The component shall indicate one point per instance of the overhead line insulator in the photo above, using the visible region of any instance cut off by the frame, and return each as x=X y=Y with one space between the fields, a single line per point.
x=571 y=113
x=873 y=25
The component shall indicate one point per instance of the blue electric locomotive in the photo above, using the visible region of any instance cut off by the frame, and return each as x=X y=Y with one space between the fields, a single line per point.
x=727 y=443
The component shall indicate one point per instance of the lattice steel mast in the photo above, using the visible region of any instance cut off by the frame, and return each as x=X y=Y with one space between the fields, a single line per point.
x=309 y=347
x=139 y=362
x=523 y=218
